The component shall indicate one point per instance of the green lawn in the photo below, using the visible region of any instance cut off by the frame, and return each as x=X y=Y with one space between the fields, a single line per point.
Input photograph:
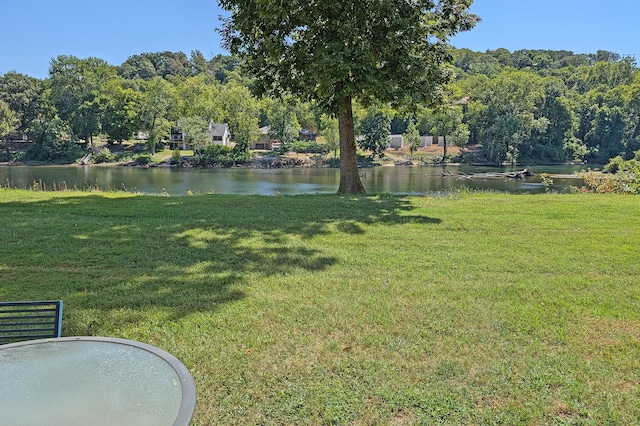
x=462 y=309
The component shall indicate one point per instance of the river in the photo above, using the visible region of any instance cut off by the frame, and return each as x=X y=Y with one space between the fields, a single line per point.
x=389 y=179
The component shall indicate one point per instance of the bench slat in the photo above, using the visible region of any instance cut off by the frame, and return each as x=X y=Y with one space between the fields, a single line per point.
x=30 y=320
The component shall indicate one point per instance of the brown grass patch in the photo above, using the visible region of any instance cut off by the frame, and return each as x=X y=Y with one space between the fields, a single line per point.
x=609 y=331
x=605 y=337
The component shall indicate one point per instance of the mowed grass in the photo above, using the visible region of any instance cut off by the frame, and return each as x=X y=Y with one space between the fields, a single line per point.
x=462 y=309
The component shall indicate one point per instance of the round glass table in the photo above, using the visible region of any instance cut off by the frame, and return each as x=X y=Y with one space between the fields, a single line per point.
x=93 y=381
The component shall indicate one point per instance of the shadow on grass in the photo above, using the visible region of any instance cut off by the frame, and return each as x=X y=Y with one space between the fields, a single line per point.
x=181 y=255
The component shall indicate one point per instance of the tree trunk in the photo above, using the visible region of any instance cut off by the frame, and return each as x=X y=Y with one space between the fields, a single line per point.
x=350 y=182
x=444 y=152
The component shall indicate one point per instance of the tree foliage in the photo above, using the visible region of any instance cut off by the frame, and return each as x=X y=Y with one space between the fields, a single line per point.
x=55 y=142
x=195 y=132
x=157 y=111
x=8 y=125
x=24 y=95
x=76 y=91
x=375 y=132
x=412 y=137
x=121 y=116
x=284 y=124
x=240 y=111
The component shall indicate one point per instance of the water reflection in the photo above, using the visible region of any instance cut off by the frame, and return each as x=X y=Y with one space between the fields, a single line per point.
x=396 y=180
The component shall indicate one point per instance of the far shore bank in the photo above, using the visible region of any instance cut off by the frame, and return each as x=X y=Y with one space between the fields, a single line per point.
x=289 y=162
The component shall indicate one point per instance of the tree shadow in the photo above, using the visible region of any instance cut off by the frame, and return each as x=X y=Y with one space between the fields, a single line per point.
x=184 y=255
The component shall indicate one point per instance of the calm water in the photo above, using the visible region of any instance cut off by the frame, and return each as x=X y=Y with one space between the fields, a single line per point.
x=392 y=179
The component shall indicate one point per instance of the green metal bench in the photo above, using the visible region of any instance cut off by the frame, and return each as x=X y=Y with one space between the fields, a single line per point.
x=30 y=320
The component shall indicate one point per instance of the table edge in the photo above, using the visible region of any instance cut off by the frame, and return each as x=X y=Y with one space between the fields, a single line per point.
x=187 y=406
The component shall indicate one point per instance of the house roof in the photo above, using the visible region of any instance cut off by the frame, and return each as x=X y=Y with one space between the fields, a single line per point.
x=218 y=129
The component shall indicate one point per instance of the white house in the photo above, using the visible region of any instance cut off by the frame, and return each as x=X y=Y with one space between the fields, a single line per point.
x=219 y=134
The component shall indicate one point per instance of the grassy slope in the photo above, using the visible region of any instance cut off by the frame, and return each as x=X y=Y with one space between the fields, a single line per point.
x=475 y=309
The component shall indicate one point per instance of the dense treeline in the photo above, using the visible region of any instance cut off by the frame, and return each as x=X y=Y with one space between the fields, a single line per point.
x=523 y=106
x=540 y=105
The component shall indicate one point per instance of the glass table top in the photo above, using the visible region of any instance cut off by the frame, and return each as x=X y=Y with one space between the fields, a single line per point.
x=93 y=381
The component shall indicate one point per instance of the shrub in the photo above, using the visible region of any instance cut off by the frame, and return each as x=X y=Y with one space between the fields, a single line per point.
x=220 y=155
x=143 y=160
x=615 y=164
x=139 y=148
x=625 y=182
x=309 y=148
x=7 y=156
x=104 y=156
x=546 y=181
x=176 y=157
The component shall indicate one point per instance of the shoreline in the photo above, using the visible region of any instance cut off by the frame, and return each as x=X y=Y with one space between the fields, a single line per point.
x=294 y=163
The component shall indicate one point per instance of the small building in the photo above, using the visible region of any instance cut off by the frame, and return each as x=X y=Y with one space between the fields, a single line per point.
x=430 y=140
x=140 y=135
x=396 y=141
x=264 y=141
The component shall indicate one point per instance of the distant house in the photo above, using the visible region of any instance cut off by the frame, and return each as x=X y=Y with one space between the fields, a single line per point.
x=397 y=141
x=177 y=139
x=264 y=141
x=306 y=135
x=219 y=134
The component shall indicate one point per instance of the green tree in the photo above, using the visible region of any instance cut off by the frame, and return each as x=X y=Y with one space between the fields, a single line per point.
x=240 y=112
x=25 y=96
x=550 y=137
x=157 y=117
x=8 y=125
x=507 y=114
x=412 y=138
x=195 y=133
x=446 y=121
x=54 y=141
x=122 y=111
x=607 y=75
x=158 y=64
x=138 y=67
x=199 y=96
x=375 y=129
x=606 y=135
x=198 y=63
x=283 y=121
x=329 y=129
x=75 y=90
x=334 y=52
x=221 y=66
x=632 y=106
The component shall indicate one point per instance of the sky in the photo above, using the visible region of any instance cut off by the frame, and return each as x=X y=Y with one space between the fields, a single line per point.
x=35 y=31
